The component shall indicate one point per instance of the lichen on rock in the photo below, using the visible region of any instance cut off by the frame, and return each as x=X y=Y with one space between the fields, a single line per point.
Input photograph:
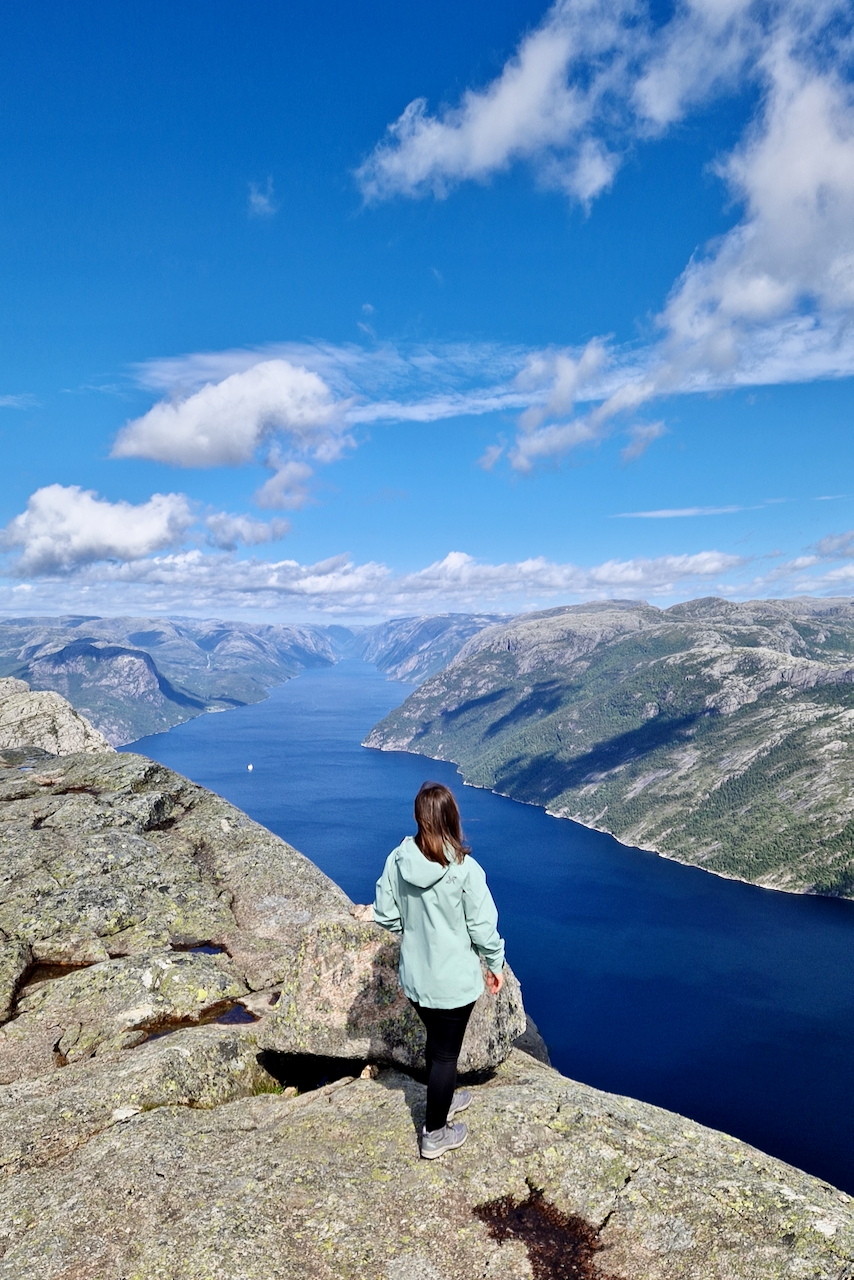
x=140 y=1142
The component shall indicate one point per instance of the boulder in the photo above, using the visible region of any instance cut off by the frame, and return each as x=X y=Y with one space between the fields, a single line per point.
x=44 y=719
x=341 y=998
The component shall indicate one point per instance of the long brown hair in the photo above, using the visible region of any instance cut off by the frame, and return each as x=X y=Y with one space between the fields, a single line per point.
x=439 y=824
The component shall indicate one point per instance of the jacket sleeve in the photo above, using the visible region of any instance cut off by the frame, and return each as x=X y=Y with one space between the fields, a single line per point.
x=482 y=917
x=386 y=906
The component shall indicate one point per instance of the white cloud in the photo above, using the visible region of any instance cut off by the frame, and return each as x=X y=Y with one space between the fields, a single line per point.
x=262 y=201
x=228 y=532
x=793 y=253
x=195 y=582
x=63 y=527
x=542 y=107
x=226 y=423
x=461 y=574
x=66 y=527
x=594 y=77
x=702 y=50
x=771 y=301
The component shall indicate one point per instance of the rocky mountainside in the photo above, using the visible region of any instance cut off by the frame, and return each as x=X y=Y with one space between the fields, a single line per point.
x=412 y=649
x=207 y=1069
x=719 y=734
x=135 y=676
x=44 y=720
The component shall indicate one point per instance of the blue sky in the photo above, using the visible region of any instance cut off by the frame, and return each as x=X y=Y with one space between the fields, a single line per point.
x=325 y=311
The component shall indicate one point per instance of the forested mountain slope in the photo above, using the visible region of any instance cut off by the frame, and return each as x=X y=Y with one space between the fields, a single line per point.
x=720 y=734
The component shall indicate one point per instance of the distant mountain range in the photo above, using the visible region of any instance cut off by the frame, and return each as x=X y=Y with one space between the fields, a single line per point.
x=135 y=676
x=720 y=734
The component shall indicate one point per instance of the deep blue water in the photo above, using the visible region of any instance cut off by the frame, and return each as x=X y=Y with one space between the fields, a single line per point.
x=727 y=1003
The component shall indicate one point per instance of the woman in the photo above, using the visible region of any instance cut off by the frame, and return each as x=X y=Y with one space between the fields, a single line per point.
x=434 y=893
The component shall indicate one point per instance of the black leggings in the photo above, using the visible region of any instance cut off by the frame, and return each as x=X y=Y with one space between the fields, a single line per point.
x=445 y=1031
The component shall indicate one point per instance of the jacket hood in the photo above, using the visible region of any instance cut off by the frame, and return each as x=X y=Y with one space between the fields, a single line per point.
x=415 y=868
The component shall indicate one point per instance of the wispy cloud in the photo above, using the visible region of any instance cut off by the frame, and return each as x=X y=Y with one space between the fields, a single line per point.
x=262 y=200
x=640 y=438
x=25 y=401
x=679 y=513
x=490 y=455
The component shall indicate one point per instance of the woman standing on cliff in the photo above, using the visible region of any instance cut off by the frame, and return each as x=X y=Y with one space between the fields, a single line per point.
x=434 y=893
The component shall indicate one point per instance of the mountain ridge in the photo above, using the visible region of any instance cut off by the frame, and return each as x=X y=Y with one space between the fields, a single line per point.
x=136 y=676
x=715 y=732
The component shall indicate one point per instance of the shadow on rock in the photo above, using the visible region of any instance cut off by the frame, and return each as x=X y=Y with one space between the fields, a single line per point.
x=306 y=1071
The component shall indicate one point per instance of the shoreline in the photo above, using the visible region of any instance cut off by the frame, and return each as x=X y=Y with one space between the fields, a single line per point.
x=659 y=853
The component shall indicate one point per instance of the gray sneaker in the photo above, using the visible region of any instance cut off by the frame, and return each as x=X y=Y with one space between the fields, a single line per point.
x=439 y=1141
x=459 y=1102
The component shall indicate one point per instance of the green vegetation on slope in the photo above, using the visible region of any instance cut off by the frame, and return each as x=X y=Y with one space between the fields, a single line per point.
x=719 y=734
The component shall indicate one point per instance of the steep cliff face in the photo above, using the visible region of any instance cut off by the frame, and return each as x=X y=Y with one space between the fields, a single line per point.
x=721 y=734
x=411 y=649
x=44 y=720
x=175 y=982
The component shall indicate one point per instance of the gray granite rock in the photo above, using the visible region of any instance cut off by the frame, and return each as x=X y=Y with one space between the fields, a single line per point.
x=103 y=857
x=342 y=997
x=44 y=719
x=130 y=1150
x=113 y=1005
x=328 y=1186
x=45 y=1118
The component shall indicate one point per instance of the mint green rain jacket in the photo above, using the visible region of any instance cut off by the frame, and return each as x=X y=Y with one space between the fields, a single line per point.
x=448 y=919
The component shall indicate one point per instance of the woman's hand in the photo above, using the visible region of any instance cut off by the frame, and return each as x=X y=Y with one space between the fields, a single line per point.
x=494 y=982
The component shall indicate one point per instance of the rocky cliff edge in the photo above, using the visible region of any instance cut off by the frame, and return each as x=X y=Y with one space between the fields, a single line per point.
x=175 y=984
x=44 y=719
